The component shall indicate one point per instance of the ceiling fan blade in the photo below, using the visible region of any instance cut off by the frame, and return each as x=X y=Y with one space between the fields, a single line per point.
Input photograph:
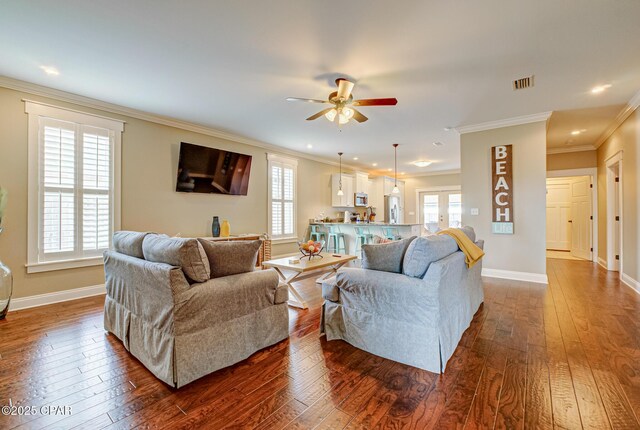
x=319 y=114
x=297 y=99
x=358 y=116
x=376 y=102
x=344 y=88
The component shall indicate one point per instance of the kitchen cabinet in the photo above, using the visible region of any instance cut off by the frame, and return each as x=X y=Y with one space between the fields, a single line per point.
x=362 y=183
x=348 y=184
x=372 y=191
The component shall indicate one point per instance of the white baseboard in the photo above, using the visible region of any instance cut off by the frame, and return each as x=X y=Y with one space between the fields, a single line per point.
x=57 y=297
x=540 y=278
x=630 y=282
x=603 y=263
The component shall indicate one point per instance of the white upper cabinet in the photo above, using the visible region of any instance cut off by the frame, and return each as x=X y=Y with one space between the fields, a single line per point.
x=348 y=184
x=362 y=182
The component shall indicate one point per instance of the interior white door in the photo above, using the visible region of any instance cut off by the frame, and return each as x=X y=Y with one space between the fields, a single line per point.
x=581 y=218
x=558 y=214
x=440 y=210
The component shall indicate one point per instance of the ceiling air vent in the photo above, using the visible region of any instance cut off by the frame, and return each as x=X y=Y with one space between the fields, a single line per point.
x=522 y=83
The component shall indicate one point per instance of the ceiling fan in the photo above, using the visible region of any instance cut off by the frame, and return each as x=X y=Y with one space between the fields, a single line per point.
x=343 y=103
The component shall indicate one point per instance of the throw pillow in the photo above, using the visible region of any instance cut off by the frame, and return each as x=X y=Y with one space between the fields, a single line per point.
x=231 y=258
x=129 y=243
x=425 y=250
x=386 y=257
x=177 y=251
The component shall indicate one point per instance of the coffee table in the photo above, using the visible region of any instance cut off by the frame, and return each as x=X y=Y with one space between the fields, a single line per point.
x=329 y=263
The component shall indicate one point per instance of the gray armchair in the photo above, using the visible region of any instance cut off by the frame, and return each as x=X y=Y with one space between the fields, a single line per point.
x=182 y=329
x=400 y=312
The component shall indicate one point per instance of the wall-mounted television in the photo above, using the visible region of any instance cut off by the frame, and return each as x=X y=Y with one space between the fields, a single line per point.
x=209 y=170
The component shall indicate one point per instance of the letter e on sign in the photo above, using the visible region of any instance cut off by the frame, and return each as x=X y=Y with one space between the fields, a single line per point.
x=502 y=189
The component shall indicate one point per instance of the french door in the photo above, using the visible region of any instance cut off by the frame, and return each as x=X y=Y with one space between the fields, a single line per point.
x=439 y=210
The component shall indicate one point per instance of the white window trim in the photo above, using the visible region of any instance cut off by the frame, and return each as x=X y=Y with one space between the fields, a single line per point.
x=273 y=158
x=35 y=110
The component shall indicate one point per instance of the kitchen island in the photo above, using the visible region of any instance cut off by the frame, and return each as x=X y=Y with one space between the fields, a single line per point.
x=380 y=229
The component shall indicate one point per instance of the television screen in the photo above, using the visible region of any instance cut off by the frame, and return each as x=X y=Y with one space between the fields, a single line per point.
x=209 y=170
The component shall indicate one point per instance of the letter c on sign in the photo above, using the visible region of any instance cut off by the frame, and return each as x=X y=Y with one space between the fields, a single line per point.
x=499 y=202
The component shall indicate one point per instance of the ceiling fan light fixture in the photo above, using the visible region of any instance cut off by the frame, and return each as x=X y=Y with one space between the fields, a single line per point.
x=331 y=115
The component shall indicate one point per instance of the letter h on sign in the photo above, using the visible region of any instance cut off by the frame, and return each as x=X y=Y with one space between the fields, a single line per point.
x=502 y=186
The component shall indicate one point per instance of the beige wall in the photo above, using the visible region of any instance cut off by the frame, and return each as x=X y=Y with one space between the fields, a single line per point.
x=572 y=160
x=524 y=251
x=149 y=202
x=626 y=138
x=422 y=182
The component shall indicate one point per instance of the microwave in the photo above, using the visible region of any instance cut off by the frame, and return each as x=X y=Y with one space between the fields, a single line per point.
x=361 y=199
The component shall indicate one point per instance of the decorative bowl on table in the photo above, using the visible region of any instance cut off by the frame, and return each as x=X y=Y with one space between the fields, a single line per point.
x=311 y=248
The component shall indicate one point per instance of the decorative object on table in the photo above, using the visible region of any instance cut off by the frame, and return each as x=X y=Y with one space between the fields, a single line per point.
x=311 y=248
x=340 y=192
x=6 y=278
x=342 y=110
x=225 y=229
x=215 y=227
x=395 y=190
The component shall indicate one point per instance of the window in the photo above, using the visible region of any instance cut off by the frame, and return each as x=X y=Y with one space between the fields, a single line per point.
x=282 y=197
x=73 y=187
x=455 y=210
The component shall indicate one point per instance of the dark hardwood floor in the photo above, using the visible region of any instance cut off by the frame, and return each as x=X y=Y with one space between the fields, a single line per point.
x=565 y=355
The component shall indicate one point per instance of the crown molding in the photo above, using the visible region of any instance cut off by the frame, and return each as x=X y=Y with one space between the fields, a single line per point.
x=436 y=173
x=620 y=118
x=88 y=102
x=509 y=122
x=577 y=148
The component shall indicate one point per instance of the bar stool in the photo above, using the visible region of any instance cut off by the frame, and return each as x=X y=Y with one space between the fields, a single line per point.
x=335 y=235
x=316 y=235
x=363 y=236
x=391 y=233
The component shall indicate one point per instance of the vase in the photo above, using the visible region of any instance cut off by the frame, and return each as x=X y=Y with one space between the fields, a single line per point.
x=215 y=227
x=225 y=230
x=6 y=289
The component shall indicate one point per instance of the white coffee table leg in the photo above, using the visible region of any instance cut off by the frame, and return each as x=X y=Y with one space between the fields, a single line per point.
x=333 y=270
x=295 y=299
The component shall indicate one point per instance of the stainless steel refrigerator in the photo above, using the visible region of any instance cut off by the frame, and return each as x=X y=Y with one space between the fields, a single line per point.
x=391 y=209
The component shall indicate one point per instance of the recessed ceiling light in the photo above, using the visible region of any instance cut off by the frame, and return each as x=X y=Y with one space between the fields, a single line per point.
x=355 y=158
x=600 y=88
x=438 y=143
x=309 y=146
x=448 y=128
x=374 y=164
x=50 y=70
x=422 y=163
x=575 y=132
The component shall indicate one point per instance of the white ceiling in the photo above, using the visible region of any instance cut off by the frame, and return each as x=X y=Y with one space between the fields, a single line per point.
x=230 y=65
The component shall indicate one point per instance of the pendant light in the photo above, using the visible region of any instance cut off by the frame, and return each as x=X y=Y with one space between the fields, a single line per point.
x=340 y=193
x=395 y=190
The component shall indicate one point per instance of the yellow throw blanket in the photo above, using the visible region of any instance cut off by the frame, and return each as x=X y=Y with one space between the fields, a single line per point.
x=472 y=252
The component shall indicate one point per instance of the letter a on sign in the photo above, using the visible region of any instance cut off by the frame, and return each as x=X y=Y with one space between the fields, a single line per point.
x=502 y=189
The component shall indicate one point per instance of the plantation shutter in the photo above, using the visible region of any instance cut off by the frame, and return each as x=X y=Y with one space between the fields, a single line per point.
x=58 y=173
x=76 y=216
x=282 y=184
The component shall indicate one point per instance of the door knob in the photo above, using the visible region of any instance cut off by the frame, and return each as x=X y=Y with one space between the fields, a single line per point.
x=569 y=221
